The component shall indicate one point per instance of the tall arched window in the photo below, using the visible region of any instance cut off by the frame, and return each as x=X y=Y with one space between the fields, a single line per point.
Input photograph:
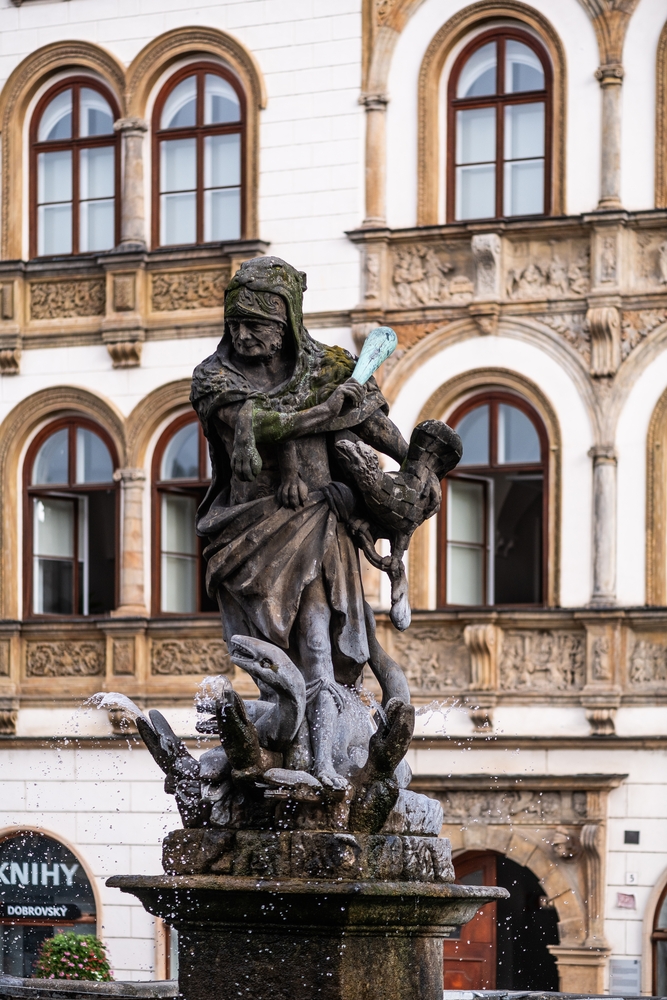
x=181 y=476
x=75 y=175
x=198 y=158
x=70 y=518
x=493 y=518
x=499 y=127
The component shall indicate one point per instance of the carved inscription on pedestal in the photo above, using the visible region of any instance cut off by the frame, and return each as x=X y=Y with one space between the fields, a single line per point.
x=435 y=660
x=65 y=659
x=172 y=290
x=176 y=657
x=542 y=661
x=66 y=299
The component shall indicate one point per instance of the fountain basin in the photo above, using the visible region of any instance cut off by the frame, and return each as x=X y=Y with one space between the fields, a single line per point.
x=300 y=939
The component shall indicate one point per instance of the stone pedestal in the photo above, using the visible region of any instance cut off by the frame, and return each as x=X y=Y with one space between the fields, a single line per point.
x=243 y=938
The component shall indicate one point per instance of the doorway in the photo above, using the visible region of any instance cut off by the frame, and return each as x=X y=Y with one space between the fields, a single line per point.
x=504 y=946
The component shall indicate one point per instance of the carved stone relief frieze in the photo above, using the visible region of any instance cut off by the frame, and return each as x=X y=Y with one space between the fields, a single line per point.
x=4 y=659
x=67 y=299
x=123 y=657
x=372 y=276
x=65 y=659
x=561 y=270
x=424 y=276
x=435 y=660
x=508 y=807
x=176 y=657
x=651 y=259
x=636 y=326
x=573 y=326
x=172 y=290
x=647 y=661
x=545 y=660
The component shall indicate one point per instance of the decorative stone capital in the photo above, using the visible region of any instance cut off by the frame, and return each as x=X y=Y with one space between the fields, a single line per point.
x=124 y=347
x=127 y=477
x=130 y=125
x=610 y=75
x=9 y=711
x=374 y=102
x=603 y=454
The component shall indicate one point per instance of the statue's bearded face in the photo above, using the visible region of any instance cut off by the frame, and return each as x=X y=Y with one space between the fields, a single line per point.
x=256 y=338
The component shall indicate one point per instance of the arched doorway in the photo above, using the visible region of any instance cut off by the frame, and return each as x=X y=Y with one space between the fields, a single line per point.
x=505 y=945
x=43 y=890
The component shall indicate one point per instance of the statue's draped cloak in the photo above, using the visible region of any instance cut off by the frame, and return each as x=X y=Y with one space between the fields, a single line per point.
x=260 y=555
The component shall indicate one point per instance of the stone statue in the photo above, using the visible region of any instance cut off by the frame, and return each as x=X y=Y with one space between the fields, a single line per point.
x=297 y=490
x=306 y=867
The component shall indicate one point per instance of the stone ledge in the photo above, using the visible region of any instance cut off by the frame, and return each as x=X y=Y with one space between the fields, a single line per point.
x=307 y=854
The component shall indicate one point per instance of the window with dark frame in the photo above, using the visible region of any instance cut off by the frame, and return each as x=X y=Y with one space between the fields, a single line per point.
x=499 y=128
x=492 y=524
x=71 y=521
x=75 y=171
x=198 y=154
x=181 y=477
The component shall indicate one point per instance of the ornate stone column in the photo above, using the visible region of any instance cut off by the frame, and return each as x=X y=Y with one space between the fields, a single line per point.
x=604 y=525
x=376 y=154
x=611 y=78
x=132 y=225
x=132 y=598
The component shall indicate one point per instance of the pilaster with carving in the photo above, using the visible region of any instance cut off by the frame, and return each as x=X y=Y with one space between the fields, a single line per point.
x=482 y=641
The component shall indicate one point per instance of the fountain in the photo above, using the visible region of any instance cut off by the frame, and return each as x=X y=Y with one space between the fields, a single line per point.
x=305 y=867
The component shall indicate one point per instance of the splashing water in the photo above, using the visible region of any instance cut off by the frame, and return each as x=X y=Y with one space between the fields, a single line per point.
x=113 y=699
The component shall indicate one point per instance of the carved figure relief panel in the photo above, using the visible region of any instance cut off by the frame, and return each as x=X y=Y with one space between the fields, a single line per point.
x=650 y=254
x=544 y=660
x=67 y=299
x=554 y=269
x=435 y=660
x=507 y=807
x=431 y=275
x=191 y=289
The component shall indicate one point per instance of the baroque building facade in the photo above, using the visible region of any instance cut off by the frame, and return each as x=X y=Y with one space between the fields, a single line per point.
x=489 y=179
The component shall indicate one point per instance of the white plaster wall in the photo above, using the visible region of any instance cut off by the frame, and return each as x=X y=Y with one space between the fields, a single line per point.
x=631 y=434
x=576 y=33
x=576 y=435
x=110 y=805
x=638 y=134
x=311 y=133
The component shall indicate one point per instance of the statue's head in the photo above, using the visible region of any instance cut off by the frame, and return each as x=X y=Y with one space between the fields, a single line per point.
x=263 y=301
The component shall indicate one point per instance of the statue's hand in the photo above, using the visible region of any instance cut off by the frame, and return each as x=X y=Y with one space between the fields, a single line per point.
x=345 y=397
x=246 y=462
x=292 y=491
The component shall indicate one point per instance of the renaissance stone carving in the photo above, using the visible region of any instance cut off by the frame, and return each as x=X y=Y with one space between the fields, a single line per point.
x=573 y=326
x=636 y=327
x=124 y=292
x=543 y=660
x=563 y=271
x=435 y=660
x=502 y=807
x=486 y=250
x=604 y=323
x=172 y=290
x=65 y=659
x=66 y=299
x=647 y=662
x=4 y=659
x=176 y=657
x=419 y=278
x=123 y=657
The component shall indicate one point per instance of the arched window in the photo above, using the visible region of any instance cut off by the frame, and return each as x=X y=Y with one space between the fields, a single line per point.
x=70 y=518
x=75 y=175
x=499 y=161
x=181 y=476
x=198 y=157
x=659 y=945
x=43 y=890
x=493 y=517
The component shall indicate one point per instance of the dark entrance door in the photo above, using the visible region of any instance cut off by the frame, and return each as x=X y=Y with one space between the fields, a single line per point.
x=470 y=953
x=505 y=945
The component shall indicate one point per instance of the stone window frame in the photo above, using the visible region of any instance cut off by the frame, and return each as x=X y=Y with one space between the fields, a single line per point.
x=198 y=70
x=75 y=144
x=158 y=488
x=429 y=112
x=71 y=422
x=498 y=101
x=489 y=396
